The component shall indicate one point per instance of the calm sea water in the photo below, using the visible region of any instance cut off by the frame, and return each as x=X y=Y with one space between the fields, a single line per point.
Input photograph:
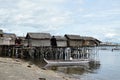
x=108 y=70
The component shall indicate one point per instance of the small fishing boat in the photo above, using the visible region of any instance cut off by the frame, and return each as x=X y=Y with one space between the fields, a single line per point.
x=84 y=62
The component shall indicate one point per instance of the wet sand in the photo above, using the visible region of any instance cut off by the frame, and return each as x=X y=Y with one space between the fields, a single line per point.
x=16 y=69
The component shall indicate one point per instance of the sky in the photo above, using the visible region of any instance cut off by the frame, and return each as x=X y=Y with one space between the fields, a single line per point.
x=96 y=18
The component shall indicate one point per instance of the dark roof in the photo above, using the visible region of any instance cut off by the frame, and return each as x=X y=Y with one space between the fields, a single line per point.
x=73 y=37
x=90 y=38
x=60 y=38
x=87 y=38
x=1 y=31
x=22 y=38
x=9 y=35
x=38 y=35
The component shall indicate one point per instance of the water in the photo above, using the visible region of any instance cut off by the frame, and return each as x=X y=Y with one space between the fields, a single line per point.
x=108 y=70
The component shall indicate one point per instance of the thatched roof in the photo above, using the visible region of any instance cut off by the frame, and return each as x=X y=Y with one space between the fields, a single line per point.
x=1 y=31
x=22 y=38
x=90 y=38
x=38 y=35
x=87 y=38
x=73 y=37
x=61 y=38
x=9 y=35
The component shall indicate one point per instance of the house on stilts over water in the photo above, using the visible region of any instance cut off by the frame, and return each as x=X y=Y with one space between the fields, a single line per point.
x=78 y=51
x=38 y=39
x=70 y=50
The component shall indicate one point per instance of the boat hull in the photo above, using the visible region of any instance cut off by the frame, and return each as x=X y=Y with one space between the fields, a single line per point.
x=66 y=63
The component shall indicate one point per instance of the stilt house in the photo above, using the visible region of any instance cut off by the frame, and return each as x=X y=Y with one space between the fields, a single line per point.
x=61 y=41
x=1 y=37
x=38 y=39
x=24 y=41
x=74 y=40
x=9 y=39
x=90 y=41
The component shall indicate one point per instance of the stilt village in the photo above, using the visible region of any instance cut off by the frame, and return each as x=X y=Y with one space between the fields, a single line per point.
x=70 y=49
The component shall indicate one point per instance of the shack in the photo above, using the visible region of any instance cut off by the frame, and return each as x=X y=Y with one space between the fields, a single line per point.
x=38 y=39
x=24 y=41
x=1 y=37
x=1 y=33
x=1 y=40
x=90 y=41
x=61 y=41
x=74 y=40
x=9 y=39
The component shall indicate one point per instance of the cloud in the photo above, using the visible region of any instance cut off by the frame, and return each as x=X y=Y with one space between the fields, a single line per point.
x=33 y=15
x=60 y=17
x=103 y=14
x=110 y=35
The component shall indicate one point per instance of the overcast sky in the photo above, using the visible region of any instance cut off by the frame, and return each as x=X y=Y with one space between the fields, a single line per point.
x=97 y=18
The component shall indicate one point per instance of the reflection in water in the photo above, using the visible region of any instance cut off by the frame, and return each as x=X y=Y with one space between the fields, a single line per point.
x=76 y=69
x=93 y=66
x=108 y=70
x=70 y=70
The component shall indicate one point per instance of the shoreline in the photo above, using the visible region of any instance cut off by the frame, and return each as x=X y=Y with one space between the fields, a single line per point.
x=17 y=69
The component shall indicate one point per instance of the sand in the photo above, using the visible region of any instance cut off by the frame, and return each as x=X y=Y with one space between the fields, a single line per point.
x=16 y=69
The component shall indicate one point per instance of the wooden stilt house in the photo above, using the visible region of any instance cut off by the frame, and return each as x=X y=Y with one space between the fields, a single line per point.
x=90 y=41
x=74 y=40
x=6 y=41
x=38 y=39
x=1 y=41
x=1 y=33
x=61 y=41
x=1 y=37
x=9 y=39
x=24 y=41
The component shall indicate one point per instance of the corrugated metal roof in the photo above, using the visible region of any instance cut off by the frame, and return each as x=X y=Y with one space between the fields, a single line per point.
x=39 y=35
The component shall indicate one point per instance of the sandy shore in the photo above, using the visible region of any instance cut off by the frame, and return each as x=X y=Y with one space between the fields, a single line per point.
x=16 y=69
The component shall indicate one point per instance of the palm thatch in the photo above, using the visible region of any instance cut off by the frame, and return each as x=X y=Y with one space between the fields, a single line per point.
x=73 y=37
x=38 y=36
